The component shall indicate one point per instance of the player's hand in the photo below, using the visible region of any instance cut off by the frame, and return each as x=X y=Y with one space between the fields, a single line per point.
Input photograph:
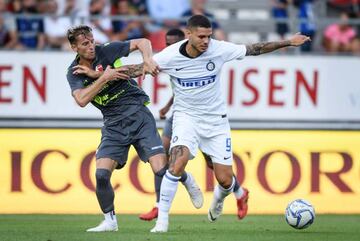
x=150 y=67
x=163 y=111
x=298 y=39
x=115 y=74
x=82 y=69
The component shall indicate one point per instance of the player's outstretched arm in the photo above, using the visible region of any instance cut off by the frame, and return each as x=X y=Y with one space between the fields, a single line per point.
x=134 y=70
x=267 y=47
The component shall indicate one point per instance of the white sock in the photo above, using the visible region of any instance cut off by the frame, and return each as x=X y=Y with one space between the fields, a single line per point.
x=110 y=217
x=188 y=180
x=239 y=193
x=168 y=189
x=220 y=193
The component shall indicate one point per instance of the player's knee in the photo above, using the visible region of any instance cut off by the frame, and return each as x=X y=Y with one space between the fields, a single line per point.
x=102 y=177
x=161 y=172
x=226 y=182
x=209 y=164
x=175 y=172
x=177 y=168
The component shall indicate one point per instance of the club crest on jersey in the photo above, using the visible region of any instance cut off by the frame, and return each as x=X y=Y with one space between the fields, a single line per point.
x=99 y=68
x=210 y=66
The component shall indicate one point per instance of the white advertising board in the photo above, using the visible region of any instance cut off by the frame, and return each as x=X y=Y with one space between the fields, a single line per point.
x=284 y=88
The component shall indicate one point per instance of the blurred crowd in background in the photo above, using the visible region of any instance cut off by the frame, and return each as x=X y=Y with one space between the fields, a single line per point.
x=42 y=24
x=338 y=37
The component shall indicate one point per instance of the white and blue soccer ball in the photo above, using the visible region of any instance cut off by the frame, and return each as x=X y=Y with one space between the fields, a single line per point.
x=299 y=214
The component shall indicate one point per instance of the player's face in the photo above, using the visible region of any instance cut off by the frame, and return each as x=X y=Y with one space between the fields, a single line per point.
x=199 y=38
x=85 y=46
x=171 y=39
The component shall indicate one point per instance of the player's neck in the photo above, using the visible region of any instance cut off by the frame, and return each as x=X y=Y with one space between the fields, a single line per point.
x=191 y=51
x=86 y=62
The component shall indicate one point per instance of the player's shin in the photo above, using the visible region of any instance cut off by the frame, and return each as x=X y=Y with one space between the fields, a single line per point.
x=104 y=190
x=167 y=193
x=157 y=183
x=217 y=203
x=220 y=192
x=158 y=179
x=193 y=189
x=105 y=196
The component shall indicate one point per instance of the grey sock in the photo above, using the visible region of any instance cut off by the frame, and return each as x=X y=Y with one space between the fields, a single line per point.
x=104 y=190
x=157 y=181
x=237 y=185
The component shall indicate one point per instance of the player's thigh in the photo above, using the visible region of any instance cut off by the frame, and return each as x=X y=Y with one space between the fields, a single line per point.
x=166 y=134
x=184 y=134
x=217 y=143
x=114 y=145
x=208 y=160
x=166 y=143
x=146 y=138
x=167 y=131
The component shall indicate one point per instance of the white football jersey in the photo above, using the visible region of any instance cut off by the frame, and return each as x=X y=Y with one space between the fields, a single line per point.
x=196 y=81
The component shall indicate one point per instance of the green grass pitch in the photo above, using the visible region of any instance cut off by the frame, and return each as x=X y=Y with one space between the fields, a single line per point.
x=182 y=227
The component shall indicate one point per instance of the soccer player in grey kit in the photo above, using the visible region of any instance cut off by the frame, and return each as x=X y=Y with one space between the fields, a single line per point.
x=96 y=76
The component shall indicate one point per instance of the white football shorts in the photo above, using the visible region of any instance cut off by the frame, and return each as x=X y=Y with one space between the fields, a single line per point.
x=211 y=135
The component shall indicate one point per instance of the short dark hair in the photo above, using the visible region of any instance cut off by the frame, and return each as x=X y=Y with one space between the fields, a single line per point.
x=198 y=21
x=73 y=32
x=176 y=32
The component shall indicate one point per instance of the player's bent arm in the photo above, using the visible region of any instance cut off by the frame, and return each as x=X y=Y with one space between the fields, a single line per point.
x=166 y=108
x=170 y=102
x=86 y=95
x=267 y=47
x=144 y=45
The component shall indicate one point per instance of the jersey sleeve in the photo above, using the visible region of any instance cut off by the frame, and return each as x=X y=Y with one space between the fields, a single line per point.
x=232 y=51
x=115 y=50
x=162 y=59
x=75 y=81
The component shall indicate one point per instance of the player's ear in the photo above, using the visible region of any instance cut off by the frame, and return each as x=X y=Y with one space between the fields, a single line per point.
x=187 y=32
x=73 y=47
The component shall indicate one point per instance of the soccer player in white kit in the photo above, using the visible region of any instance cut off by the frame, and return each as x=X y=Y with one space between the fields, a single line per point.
x=200 y=119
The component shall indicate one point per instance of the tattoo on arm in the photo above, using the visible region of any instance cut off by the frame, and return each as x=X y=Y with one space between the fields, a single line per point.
x=176 y=152
x=134 y=70
x=262 y=48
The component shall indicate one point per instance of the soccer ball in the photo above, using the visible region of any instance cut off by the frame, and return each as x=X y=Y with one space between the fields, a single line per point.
x=299 y=214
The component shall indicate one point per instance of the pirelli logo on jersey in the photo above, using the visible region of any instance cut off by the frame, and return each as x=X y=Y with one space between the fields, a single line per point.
x=196 y=82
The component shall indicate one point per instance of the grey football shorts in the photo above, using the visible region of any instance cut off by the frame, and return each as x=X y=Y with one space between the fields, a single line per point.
x=167 y=131
x=139 y=130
